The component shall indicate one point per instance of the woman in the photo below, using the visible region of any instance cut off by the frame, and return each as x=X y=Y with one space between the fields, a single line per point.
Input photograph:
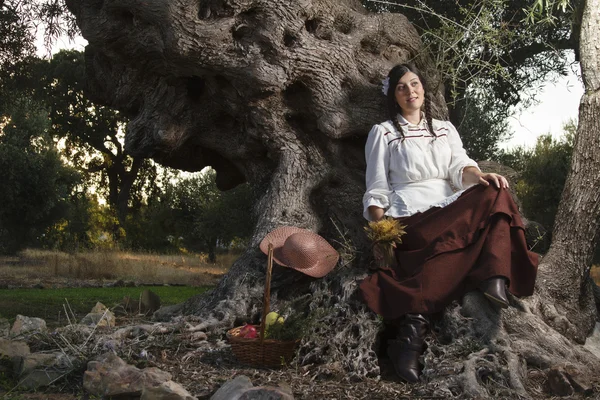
x=463 y=229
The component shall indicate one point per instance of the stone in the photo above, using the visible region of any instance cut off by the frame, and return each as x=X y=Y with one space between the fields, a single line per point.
x=129 y=306
x=558 y=383
x=99 y=308
x=149 y=302
x=241 y=388
x=233 y=388
x=4 y=327
x=265 y=393
x=111 y=376
x=25 y=325
x=41 y=369
x=100 y=315
x=13 y=348
x=9 y=350
x=167 y=313
x=198 y=336
x=141 y=330
x=166 y=391
x=592 y=343
x=580 y=381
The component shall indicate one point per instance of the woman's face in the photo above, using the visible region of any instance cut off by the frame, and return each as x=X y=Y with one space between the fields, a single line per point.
x=410 y=94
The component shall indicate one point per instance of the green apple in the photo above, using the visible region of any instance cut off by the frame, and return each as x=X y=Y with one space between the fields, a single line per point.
x=271 y=318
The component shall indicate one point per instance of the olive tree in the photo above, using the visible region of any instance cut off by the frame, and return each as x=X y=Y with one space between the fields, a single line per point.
x=281 y=95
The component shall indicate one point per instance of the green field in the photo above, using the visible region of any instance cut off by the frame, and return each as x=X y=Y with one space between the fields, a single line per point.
x=48 y=303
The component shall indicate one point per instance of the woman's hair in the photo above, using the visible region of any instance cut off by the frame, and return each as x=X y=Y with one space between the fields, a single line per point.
x=395 y=75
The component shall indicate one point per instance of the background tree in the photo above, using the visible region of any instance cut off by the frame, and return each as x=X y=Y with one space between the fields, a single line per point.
x=35 y=186
x=91 y=136
x=281 y=94
x=543 y=172
x=490 y=61
x=207 y=217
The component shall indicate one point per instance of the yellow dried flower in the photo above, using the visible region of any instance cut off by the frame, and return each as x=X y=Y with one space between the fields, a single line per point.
x=385 y=230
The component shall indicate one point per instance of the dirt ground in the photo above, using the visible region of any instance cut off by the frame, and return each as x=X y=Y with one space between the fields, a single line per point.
x=202 y=370
x=202 y=374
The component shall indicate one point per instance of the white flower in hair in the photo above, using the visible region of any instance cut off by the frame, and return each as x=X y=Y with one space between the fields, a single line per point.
x=386 y=85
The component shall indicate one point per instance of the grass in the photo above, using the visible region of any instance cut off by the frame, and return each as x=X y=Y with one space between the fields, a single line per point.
x=43 y=265
x=48 y=304
x=78 y=278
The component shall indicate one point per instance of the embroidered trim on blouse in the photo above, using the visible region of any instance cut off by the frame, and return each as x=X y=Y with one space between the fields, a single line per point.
x=416 y=136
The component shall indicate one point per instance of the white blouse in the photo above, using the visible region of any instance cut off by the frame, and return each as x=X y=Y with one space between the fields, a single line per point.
x=412 y=174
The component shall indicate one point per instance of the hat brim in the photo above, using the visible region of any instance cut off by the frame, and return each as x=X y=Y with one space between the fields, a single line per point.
x=278 y=237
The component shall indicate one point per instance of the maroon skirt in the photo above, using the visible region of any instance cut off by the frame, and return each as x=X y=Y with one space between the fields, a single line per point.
x=448 y=251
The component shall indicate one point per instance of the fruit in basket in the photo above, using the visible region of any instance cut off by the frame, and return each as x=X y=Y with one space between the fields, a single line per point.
x=273 y=318
x=248 y=332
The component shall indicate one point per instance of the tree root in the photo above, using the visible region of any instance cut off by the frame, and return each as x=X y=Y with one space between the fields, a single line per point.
x=483 y=353
x=475 y=350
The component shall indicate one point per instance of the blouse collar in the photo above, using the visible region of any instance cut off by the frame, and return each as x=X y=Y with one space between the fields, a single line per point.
x=404 y=122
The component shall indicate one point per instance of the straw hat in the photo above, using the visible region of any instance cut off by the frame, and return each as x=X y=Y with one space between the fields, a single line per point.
x=302 y=250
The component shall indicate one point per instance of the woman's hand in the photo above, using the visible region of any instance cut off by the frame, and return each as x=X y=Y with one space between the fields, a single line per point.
x=379 y=254
x=376 y=213
x=473 y=176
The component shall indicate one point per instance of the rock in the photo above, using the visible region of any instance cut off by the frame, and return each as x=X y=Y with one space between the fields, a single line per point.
x=111 y=376
x=119 y=283
x=198 y=336
x=75 y=330
x=265 y=393
x=9 y=351
x=558 y=383
x=41 y=369
x=99 y=308
x=4 y=327
x=149 y=302
x=99 y=315
x=141 y=330
x=592 y=343
x=25 y=324
x=166 y=391
x=580 y=381
x=13 y=348
x=167 y=313
x=241 y=388
x=232 y=389
x=537 y=237
x=129 y=305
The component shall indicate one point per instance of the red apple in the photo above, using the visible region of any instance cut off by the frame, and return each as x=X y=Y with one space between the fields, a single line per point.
x=248 y=332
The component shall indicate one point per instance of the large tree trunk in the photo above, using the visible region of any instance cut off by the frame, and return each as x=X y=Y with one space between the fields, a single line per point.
x=564 y=274
x=281 y=94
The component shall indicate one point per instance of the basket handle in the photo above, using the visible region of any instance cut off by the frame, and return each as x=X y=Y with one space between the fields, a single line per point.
x=267 y=295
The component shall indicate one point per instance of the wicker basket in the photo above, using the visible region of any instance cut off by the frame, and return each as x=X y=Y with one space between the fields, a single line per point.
x=262 y=352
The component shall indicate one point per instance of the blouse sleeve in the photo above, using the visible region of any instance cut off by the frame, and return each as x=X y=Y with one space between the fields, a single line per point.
x=377 y=155
x=459 y=160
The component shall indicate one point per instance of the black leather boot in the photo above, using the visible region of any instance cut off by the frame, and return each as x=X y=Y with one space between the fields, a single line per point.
x=495 y=291
x=408 y=346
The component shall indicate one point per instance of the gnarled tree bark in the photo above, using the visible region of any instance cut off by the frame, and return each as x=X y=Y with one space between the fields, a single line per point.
x=281 y=94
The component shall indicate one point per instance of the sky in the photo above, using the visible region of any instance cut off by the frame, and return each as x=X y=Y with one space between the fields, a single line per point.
x=558 y=103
